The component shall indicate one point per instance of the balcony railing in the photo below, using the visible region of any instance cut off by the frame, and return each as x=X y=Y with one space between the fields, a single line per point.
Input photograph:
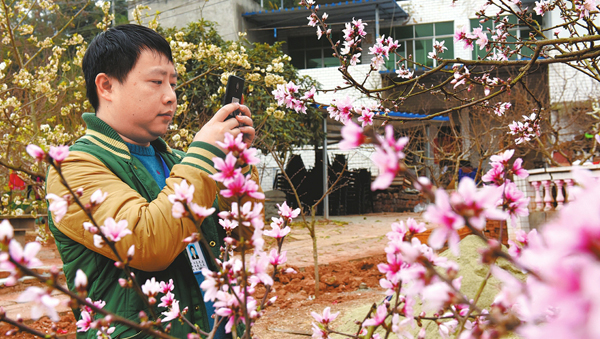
x=549 y=190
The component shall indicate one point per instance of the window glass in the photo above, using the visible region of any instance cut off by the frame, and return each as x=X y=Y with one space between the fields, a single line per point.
x=297 y=59
x=423 y=30
x=403 y=32
x=330 y=61
x=418 y=45
x=422 y=48
x=314 y=58
x=443 y=28
x=523 y=33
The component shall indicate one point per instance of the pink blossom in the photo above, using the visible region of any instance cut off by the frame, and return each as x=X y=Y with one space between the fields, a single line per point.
x=341 y=109
x=98 y=304
x=232 y=144
x=98 y=197
x=415 y=227
x=151 y=287
x=515 y=200
x=401 y=328
x=172 y=313
x=166 y=287
x=436 y=295
x=310 y=94
x=258 y=266
x=352 y=136
x=502 y=158
x=501 y=108
x=388 y=163
x=277 y=232
x=25 y=257
x=355 y=59
x=518 y=170
x=201 y=211
x=482 y=39
x=235 y=186
x=446 y=328
x=80 y=280
x=36 y=152
x=404 y=73
x=130 y=252
x=98 y=241
x=366 y=117
x=319 y=33
x=318 y=332
x=58 y=206
x=541 y=7
x=392 y=267
x=460 y=79
x=167 y=300
x=448 y=222
x=58 y=153
x=248 y=156
x=6 y=232
x=83 y=324
x=476 y=204
x=312 y=20
x=115 y=231
x=227 y=168
x=379 y=317
x=182 y=192
x=326 y=317
x=43 y=303
x=439 y=46
x=178 y=210
x=228 y=225
x=277 y=258
x=495 y=175
x=286 y=212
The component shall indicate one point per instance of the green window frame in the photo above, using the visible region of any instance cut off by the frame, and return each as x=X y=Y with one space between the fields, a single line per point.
x=515 y=32
x=309 y=52
x=418 y=40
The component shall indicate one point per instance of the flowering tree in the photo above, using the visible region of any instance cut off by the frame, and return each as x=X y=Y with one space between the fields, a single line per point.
x=555 y=300
x=232 y=287
x=42 y=89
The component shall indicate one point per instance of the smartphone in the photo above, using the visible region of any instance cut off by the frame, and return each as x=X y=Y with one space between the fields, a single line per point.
x=233 y=93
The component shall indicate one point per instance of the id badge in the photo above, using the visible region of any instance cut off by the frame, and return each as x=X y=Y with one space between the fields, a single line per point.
x=196 y=257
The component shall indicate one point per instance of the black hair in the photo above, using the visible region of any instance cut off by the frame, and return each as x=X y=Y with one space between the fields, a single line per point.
x=115 y=53
x=465 y=163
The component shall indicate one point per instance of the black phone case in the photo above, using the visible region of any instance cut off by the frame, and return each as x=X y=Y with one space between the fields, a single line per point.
x=233 y=93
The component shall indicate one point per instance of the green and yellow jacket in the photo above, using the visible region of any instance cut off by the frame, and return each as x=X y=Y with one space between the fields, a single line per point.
x=101 y=160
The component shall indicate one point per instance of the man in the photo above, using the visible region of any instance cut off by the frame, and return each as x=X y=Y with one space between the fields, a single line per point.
x=130 y=82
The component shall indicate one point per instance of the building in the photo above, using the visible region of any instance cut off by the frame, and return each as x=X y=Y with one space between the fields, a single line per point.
x=417 y=25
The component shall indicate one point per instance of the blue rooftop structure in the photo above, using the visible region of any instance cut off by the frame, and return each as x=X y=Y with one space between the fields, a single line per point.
x=343 y=11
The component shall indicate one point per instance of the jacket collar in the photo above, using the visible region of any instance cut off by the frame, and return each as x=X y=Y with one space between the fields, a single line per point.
x=99 y=132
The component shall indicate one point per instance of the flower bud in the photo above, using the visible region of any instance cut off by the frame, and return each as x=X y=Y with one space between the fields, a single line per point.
x=130 y=252
x=143 y=316
x=80 y=281
x=123 y=282
x=119 y=264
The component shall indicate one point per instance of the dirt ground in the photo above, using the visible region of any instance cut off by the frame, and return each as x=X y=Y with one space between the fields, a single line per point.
x=350 y=247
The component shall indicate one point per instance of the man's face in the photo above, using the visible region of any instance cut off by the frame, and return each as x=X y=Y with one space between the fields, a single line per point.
x=145 y=102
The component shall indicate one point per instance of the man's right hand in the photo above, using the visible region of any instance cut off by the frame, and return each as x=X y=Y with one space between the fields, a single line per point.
x=216 y=128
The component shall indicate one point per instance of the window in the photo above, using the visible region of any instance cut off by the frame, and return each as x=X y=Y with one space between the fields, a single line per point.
x=308 y=52
x=515 y=32
x=417 y=41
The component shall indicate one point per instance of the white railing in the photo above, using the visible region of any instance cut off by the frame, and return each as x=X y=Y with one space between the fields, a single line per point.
x=549 y=189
